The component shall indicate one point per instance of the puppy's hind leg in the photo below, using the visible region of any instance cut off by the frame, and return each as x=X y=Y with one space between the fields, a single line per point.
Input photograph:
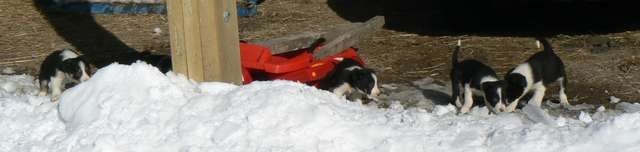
x=44 y=87
x=468 y=99
x=563 y=96
x=538 y=94
x=342 y=90
x=56 y=85
x=455 y=93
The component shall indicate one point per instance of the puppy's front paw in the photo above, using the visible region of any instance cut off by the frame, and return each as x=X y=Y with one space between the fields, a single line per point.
x=564 y=102
x=55 y=98
x=458 y=103
x=464 y=110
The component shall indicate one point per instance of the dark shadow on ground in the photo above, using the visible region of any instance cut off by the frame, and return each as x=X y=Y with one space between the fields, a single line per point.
x=85 y=34
x=442 y=98
x=437 y=96
x=496 y=17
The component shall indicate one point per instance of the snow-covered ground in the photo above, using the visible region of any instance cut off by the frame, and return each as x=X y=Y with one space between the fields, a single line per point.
x=137 y=108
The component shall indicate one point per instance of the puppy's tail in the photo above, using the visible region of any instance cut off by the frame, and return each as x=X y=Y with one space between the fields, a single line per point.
x=545 y=44
x=454 y=56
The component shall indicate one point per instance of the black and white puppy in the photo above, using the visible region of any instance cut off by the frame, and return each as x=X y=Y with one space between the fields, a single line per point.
x=349 y=77
x=471 y=77
x=540 y=70
x=162 y=62
x=60 y=68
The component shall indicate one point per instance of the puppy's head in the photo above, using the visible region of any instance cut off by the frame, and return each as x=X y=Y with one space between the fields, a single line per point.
x=494 y=94
x=516 y=83
x=365 y=81
x=76 y=68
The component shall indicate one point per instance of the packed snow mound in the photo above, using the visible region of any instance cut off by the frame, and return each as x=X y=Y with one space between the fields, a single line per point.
x=137 y=108
x=29 y=123
x=156 y=112
x=17 y=85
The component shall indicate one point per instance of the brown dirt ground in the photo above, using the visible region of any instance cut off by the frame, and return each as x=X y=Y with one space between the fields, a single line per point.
x=598 y=66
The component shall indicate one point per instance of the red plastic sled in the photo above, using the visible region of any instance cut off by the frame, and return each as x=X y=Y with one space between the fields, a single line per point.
x=259 y=64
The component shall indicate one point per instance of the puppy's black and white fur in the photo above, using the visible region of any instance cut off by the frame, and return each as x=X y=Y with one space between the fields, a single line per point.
x=471 y=77
x=540 y=70
x=349 y=77
x=162 y=62
x=60 y=68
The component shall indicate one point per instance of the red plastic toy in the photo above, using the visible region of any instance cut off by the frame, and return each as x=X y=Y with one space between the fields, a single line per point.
x=259 y=64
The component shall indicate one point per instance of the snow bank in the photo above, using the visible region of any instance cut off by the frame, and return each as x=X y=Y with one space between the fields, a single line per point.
x=29 y=123
x=628 y=107
x=137 y=108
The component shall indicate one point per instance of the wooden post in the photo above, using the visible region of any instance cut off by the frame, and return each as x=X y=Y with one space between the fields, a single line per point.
x=204 y=39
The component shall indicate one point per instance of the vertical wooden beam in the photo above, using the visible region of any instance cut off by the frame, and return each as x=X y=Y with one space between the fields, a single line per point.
x=205 y=39
x=176 y=34
x=191 y=21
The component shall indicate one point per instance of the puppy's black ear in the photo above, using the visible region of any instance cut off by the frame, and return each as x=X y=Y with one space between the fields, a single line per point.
x=501 y=84
x=522 y=82
x=485 y=85
x=66 y=65
x=83 y=58
x=488 y=85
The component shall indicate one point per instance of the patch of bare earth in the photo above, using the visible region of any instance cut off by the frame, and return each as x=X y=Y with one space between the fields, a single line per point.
x=598 y=66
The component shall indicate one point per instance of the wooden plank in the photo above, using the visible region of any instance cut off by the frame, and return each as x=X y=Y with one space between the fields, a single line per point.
x=350 y=37
x=208 y=41
x=192 y=39
x=221 y=58
x=176 y=28
x=339 y=38
x=289 y=43
x=300 y=41
x=230 y=39
x=204 y=40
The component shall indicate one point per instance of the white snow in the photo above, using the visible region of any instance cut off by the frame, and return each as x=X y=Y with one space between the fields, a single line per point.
x=601 y=109
x=137 y=108
x=628 y=107
x=614 y=99
x=585 y=117
x=441 y=110
x=8 y=70
x=536 y=114
x=157 y=31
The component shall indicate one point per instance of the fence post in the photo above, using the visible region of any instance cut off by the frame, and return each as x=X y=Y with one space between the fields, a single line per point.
x=204 y=39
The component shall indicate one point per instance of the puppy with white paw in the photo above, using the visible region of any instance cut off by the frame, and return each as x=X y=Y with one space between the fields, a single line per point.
x=471 y=77
x=533 y=76
x=349 y=77
x=60 y=68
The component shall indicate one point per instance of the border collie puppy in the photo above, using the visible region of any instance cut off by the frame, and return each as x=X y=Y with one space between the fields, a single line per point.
x=540 y=70
x=471 y=77
x=162 y=62
x=60 y=68
x=349 y=77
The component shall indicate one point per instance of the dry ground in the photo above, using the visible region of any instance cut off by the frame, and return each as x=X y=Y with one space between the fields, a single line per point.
x=598 y=65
